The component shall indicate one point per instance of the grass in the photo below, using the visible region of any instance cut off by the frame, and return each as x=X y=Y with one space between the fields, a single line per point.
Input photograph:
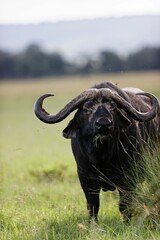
x=40 y=195
x=147 y=201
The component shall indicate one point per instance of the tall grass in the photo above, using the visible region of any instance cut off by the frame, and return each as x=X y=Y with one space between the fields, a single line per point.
x=40 y=195
x=146 y=204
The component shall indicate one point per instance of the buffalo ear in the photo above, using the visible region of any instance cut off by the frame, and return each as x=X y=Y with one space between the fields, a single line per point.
x=71 y=130
x=124 y=122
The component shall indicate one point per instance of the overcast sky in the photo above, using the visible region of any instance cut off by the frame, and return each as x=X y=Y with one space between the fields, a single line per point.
x=36 y=11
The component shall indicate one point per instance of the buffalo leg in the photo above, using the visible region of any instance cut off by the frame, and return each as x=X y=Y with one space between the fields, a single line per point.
x=92 y=205
x=91 y=190
x=125 y=202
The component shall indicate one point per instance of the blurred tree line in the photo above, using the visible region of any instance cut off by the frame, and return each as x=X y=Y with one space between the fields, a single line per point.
x=34 y=62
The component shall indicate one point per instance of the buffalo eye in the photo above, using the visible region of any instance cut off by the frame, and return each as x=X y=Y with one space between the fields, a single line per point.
x=112 y=105
x=88 y=106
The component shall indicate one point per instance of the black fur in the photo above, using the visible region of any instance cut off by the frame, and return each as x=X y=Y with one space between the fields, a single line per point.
x=106 y=143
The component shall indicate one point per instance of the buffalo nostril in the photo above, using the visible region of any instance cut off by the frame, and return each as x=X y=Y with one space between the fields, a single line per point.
x=98 y=124
x=108 y=122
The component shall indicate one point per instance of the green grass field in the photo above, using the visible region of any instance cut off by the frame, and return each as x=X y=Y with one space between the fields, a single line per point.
x=40 y=195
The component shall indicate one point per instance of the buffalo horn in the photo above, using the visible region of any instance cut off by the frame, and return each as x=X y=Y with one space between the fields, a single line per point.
x=62 y=114
x=131 y=111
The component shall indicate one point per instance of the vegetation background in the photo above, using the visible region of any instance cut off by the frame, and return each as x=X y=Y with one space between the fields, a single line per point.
x=36 y=62
x=40 y=195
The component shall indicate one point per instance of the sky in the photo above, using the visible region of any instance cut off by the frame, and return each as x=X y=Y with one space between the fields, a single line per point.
x=38 y=11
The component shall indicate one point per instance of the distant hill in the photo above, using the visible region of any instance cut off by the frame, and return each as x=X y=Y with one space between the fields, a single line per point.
x=122 y=35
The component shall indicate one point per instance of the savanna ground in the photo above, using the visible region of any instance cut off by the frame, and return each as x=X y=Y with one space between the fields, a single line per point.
x=40 y=195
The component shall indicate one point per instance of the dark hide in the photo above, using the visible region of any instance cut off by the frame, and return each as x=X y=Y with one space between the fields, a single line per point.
x=106 y=143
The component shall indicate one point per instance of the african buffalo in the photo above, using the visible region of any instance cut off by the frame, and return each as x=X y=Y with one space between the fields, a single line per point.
x=108 y=132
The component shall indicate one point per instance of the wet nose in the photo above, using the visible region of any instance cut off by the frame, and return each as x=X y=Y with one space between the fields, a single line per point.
x=103 y=123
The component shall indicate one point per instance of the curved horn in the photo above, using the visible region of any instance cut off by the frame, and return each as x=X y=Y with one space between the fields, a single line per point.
x=139 y=116
x=62 y=114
